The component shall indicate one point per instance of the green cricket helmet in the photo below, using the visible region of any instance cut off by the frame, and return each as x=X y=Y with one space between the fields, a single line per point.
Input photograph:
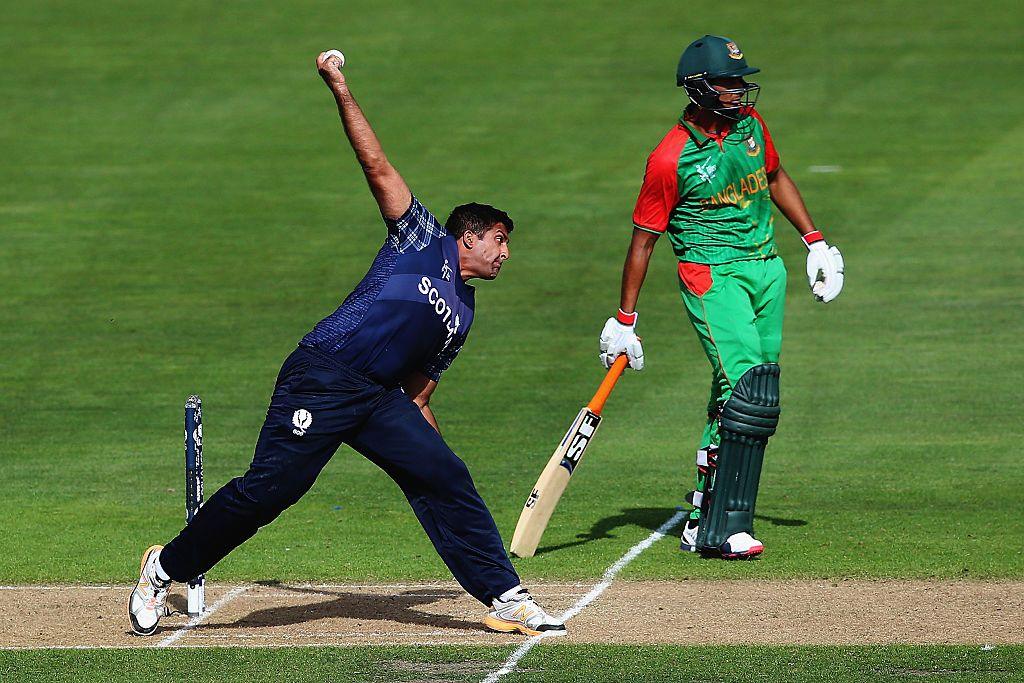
x=717 y=57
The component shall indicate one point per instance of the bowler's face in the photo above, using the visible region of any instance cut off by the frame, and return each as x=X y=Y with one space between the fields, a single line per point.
x=490 y=252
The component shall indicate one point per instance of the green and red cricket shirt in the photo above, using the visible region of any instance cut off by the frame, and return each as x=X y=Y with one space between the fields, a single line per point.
x=710 y=194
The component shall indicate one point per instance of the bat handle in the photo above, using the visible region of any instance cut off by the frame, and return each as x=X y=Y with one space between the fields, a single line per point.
x=605 y=390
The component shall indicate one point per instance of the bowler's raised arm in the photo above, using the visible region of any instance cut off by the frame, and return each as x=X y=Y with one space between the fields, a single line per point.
x=386 y=184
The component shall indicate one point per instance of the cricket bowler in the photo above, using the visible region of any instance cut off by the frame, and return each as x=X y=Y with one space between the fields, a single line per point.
x=364 y=376
x=710 y=184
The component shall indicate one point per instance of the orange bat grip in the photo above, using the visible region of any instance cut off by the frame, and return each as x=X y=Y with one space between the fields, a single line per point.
x=605 y=390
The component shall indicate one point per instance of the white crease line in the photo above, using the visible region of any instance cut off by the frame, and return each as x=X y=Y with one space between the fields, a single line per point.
x=320 y=634
x=595 y=592
x=283 y=586
x=825 y=169
x=514 y=658
x=19 y=648
x=323 y=593
x=195 y=621
x=610 y=573
x=212 y=646
x=290 y=596
x=424 y=585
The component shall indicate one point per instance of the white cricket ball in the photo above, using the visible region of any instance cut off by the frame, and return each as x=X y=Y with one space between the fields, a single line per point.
x=339 y=55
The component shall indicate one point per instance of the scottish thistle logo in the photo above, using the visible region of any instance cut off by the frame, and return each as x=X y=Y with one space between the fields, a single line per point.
x=302 y=419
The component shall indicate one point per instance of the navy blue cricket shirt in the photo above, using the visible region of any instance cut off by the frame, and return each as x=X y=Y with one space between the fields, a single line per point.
x=410 y=313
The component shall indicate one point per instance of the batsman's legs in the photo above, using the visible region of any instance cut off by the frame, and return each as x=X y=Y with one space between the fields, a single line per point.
x=707 y=452
x=736 y=311
x=749 y=417
x=769 y=312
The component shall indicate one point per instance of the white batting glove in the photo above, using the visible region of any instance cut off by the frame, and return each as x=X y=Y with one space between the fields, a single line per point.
x=824 y=268
x=619 y=337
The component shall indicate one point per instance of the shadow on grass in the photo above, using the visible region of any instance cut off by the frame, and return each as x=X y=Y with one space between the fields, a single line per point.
x=781 y=521
x=400 y=608
x=645 y=518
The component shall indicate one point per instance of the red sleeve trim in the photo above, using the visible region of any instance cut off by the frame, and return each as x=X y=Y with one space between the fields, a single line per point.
x=659 y=193
x=812 y=237
x=771 y=155
x=627 y=318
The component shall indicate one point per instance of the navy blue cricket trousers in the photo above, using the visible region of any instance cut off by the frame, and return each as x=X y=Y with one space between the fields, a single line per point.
x=382 y=424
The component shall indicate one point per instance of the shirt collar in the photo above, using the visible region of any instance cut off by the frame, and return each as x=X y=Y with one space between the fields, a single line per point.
x=699 y=137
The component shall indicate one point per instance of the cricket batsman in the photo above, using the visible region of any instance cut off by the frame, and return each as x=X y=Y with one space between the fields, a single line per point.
x=710 y=184
x=364 y=376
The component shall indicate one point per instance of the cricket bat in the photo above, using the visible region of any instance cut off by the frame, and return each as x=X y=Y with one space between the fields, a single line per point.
x=564 y=461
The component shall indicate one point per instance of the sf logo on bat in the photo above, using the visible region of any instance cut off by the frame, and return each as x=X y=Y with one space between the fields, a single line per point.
x=578 y=441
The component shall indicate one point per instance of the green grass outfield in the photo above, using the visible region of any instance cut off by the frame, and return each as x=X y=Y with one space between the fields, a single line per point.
x=550 y=663
x=178 y=207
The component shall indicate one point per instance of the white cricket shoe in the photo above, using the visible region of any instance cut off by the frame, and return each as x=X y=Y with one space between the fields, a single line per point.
x=688 y=539
x=146 y=604
x=520 y=613
x=741 y=546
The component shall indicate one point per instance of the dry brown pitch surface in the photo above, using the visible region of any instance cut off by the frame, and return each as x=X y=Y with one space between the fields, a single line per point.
x=785 y=612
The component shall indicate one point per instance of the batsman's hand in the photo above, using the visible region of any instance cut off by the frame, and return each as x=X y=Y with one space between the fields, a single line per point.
x=824 y=271
x=618 y=339
x=328 y=65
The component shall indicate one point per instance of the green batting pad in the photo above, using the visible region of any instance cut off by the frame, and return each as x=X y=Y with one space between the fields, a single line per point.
x=749 y=417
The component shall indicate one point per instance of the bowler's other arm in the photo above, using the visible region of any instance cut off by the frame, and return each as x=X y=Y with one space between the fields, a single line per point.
x=419 y=388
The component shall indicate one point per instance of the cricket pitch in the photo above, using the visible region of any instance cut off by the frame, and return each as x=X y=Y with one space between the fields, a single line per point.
x=815 y=612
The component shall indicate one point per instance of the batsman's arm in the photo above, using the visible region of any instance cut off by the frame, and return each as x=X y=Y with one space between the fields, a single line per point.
x=619 y=333
x=658 y=195
x=634 y=271
x=825 y=265
x=787 y=197
x=386 y=184
x=419 y=387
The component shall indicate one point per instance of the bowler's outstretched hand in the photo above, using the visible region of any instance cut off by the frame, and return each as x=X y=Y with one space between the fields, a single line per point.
x=328 y=64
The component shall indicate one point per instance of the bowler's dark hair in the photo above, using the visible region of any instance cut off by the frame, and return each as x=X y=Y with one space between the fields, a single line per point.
x=476 y=218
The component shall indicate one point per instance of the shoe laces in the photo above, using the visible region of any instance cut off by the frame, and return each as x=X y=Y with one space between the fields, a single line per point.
x=160 y=596
x=155 y=589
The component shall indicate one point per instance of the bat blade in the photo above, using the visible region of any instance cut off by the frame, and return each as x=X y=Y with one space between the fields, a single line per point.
x=552 y=482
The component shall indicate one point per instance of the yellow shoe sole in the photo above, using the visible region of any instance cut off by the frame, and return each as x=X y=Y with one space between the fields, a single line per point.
x=503 y=626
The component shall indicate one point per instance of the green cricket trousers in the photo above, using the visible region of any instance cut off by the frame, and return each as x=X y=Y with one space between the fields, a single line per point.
x=736 y=309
